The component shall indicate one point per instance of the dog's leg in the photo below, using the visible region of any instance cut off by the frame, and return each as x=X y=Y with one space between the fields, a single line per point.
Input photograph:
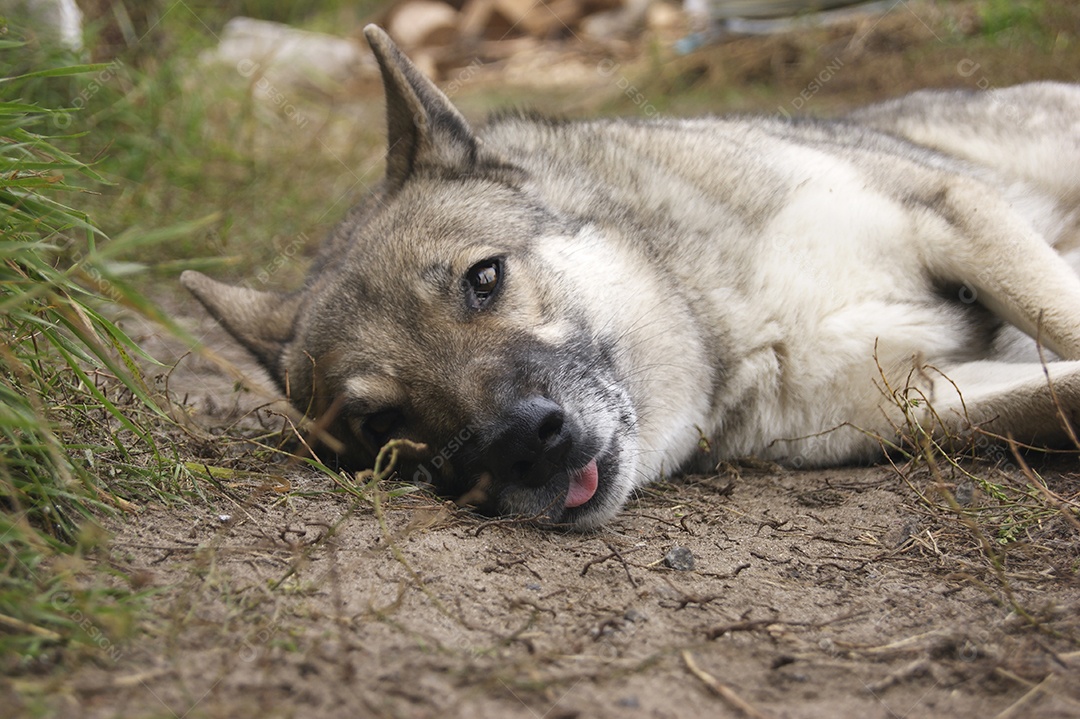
x=1010 y=267
x=1024 y=400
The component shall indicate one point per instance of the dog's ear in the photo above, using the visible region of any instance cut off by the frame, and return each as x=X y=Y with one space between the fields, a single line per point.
x=423 y=127
x=261 y=321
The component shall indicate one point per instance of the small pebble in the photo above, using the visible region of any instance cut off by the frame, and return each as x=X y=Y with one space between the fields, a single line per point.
x=903 y=533
x=630 y=702
x=533 y=586
x=680 y=559
x=633 y=615
x=224 y=518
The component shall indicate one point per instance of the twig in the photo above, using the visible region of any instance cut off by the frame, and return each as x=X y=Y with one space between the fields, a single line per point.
x=688 y=599
x=1051 y=497
x=1053 y=392
x=912 y=643
x=750 y=625
x=1020 y=704
x=515 y=521
x=622 y=560
x=721 y=690
x=127 y=681
x=917 y=668
x=21 y=626
x=615 y=554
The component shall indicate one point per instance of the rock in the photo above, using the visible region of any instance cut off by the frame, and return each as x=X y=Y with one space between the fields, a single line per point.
x=286 y=56
x=965 y=493
x=539 y=19
x=423 y=23
x=619 y=22
x=662 y=16
x=680 y=559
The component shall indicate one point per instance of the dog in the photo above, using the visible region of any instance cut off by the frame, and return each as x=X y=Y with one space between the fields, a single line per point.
x=563 y=311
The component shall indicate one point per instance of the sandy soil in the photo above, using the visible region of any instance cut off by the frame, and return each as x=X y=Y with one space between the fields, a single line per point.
x=812 y=594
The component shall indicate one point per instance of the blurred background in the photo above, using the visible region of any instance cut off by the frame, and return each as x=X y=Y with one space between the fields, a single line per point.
x=265 y=116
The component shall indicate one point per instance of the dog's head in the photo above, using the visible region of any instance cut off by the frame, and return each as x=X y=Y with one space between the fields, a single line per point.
x=450 y=309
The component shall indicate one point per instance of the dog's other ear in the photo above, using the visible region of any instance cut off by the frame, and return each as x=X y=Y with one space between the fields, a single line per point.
x=423 y=127
x=261 y=321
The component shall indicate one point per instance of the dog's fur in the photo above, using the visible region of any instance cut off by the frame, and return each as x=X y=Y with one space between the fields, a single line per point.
x=563 y=311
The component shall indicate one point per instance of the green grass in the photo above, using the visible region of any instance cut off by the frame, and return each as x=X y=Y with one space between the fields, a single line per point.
x=1002 y=18
x=74 y=406
x=84 y=432
x=180 y=138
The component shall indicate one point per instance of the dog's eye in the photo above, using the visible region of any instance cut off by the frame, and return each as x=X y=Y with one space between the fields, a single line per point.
x=376 y=429
x=382 y=424
x=483 y=282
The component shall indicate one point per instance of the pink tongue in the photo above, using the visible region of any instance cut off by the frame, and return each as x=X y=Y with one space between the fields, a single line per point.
x=582 y=486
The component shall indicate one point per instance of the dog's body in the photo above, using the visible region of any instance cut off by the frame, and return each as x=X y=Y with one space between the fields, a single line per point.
x=562 y=311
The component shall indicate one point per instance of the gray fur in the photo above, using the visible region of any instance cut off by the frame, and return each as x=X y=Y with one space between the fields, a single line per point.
x=793 y=290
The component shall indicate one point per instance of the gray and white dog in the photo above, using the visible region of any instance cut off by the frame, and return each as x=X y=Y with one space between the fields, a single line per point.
x=564 y=311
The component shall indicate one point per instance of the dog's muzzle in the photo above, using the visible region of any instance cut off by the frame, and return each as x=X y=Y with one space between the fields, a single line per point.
x=532 y=449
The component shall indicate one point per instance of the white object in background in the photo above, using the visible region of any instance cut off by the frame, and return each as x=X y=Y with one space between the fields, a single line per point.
x=58 y=20
x=288 y=55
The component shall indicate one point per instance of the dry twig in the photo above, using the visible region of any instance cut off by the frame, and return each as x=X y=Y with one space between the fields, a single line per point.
x=722 y=690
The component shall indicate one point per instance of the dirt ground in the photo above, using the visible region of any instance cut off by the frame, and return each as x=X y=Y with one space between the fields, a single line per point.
x=848 y=592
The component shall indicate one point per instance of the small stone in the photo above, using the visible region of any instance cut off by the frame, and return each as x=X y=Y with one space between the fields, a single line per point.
x=224 y=518
x=903 y=533
x=633 y=615
x=680 y=559
x=533 y=586
x=630 y=702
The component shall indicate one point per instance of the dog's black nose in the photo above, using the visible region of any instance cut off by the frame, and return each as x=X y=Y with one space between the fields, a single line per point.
x=529 y=443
